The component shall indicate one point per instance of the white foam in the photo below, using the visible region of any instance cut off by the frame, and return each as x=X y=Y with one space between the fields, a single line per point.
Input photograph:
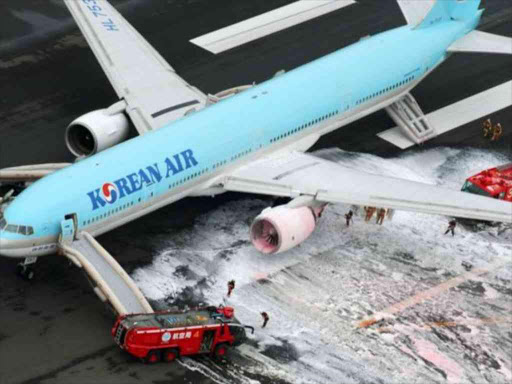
x=318 y=292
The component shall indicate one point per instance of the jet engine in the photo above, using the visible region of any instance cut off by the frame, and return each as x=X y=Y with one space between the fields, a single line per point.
x=96 y=131
x=278 y=229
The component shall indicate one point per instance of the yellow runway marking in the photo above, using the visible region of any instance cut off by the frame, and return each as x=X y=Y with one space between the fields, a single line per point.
x=467 y=322
x=425 y=295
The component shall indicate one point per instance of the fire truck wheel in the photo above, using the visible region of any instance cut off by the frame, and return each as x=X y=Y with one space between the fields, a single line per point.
x=170 y=354
x=221 y=350
x=152 y=357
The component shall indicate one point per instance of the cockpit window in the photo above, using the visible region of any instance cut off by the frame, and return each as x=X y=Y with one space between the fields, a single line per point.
x=20 y=229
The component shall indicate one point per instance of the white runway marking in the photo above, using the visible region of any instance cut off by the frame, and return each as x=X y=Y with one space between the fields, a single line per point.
x=460 y=113
x=267 y=23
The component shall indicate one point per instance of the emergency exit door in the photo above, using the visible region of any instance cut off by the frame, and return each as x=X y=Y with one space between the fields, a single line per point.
x=74 y=217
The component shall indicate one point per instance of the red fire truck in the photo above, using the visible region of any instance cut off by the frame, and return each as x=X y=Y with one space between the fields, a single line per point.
x=494 y=182
x=166 y=335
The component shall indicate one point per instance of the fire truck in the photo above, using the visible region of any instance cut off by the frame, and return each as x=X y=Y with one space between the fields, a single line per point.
x=168 y=334
x=494 y=182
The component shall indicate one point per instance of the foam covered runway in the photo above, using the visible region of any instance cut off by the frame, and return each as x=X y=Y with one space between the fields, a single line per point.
x=319 y=293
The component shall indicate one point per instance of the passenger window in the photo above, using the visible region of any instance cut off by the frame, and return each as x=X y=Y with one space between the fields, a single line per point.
x=30 y=231
x=11 y=228
x=22 y=230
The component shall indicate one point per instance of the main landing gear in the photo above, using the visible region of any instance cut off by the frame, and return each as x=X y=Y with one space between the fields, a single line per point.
x=25 y=269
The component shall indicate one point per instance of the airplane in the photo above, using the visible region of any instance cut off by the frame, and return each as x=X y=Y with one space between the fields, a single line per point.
x=252 y=140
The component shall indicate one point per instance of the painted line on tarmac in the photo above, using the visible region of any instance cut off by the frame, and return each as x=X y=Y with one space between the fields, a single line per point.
x=428 y=294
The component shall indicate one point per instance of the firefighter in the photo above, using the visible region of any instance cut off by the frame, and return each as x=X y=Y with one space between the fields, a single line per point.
x=497 y=131
x=380 y=215
x=265 y=319
x=487 y=125
x=369 y=213
x=231 y=286
x=451 y=227
x=348 y=217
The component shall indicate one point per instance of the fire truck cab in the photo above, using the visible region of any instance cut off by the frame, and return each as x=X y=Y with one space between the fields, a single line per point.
x=494 y=182
x=166 y=335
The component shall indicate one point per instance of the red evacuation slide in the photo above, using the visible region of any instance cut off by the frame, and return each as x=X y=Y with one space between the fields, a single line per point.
x=168 y=334
x=494 y=182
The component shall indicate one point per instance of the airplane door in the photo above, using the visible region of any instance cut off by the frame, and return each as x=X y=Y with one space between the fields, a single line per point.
x=74 y=217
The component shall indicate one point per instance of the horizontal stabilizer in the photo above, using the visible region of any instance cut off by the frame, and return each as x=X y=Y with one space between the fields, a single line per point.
x=458 y=114
x=482 y=42
x=267 y=23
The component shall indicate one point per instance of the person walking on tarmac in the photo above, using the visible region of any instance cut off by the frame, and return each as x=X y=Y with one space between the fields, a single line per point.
x=369 y=213
x=380 y=215
x=348 y=217
x=231 y=286
x=497 y=131
x=487 y=126
x=451 y=227
x=265 y=319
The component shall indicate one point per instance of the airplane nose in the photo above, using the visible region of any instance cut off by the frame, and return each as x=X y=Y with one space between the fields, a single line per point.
x=5 y=246
x=3 y=243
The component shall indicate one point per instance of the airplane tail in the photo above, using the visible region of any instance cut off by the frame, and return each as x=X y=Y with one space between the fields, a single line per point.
x=453 y=10
x=425 y=14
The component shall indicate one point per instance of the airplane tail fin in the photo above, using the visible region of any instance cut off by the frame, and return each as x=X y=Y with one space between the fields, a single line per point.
x=448 y=10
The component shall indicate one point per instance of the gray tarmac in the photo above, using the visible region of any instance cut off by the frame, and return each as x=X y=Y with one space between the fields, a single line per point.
x=54 y=329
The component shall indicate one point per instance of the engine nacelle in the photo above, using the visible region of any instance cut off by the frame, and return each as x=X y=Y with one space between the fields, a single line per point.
x=95 y=132
x=278 y=229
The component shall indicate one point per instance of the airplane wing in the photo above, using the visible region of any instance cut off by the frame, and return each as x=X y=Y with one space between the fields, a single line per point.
x=154 y=93
x=296 y=174
x=28 y=173
x=414 y=11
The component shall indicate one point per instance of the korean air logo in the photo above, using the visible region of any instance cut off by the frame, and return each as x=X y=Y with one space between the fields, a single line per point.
x=110 y=192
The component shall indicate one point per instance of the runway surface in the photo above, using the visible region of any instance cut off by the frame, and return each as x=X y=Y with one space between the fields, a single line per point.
x=56 y=330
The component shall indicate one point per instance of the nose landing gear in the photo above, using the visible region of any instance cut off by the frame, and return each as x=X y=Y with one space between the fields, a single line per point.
x=25 y=269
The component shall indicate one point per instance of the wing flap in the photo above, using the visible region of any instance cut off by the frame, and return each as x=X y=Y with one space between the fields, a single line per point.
x=154 y=93
x=296 y=174
x=482 y=42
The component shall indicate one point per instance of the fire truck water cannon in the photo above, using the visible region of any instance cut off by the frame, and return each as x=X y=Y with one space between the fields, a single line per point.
x=279 y=229
x=167 y=335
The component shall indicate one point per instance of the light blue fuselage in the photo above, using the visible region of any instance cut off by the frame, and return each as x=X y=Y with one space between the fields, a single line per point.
x=314 y=98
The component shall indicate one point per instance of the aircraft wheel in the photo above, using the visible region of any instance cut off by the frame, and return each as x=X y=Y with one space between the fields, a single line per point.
x=152 y=357
x=25 y=272
x=29 y=274
x=170 y=354
x=20 y=269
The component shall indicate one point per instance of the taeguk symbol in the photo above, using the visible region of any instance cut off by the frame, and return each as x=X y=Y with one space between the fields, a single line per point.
x=110 y=192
